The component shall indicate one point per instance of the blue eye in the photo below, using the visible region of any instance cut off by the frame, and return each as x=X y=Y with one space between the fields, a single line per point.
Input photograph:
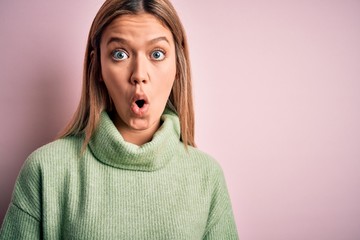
x=119 y=55
x=158 y=55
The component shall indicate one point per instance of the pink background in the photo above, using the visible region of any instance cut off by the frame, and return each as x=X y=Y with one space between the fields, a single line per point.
x=277 y=95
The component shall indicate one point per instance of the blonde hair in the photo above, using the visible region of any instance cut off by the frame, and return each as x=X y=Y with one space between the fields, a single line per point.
x=94 y=95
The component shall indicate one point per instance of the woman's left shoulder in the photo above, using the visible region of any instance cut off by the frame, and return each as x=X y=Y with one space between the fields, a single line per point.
x=199 y=159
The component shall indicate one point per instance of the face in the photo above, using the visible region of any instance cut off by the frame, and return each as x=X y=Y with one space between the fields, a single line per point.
x=138 y=66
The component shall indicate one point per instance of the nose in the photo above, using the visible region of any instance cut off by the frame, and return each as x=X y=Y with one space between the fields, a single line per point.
x=139 y=70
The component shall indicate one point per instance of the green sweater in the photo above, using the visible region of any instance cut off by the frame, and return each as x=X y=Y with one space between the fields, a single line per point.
x=117 y=190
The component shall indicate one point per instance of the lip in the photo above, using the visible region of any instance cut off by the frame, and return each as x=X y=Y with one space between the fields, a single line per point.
x=135 y=109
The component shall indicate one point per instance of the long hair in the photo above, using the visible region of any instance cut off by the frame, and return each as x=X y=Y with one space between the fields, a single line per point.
x=94 y=95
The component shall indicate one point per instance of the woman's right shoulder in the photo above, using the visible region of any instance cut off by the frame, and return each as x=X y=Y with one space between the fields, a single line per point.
x=56 y=152
x=45 y=168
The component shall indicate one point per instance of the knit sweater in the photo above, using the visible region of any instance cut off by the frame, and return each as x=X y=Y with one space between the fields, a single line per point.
x=118 y=190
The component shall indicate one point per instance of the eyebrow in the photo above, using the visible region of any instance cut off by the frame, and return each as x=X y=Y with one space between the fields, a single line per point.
x=122 y=40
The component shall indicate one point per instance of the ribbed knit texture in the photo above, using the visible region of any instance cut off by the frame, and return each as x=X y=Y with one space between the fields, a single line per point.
x=117 y=190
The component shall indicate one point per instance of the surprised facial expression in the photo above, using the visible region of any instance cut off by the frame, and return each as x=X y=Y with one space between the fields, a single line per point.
x=138 y=66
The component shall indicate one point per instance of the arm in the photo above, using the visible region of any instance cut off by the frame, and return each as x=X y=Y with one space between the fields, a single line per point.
x=221 y=223
x=23 y=218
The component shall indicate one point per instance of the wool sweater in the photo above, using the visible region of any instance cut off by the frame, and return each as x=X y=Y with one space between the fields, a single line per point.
x=118 y=190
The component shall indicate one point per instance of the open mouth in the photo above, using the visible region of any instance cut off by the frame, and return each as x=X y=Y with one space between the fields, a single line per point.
x=140 y=103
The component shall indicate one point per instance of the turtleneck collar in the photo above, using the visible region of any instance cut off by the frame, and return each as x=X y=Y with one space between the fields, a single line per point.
x=109 y=146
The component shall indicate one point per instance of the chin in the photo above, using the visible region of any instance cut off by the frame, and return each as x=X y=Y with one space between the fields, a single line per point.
x=141 y=124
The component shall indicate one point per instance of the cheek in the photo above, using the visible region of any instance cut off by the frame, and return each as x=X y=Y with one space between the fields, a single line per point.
x=108 y=69
x=167 y=81
x=112 y=75
x=108 y=79
x=170 y=74
x=115 y=85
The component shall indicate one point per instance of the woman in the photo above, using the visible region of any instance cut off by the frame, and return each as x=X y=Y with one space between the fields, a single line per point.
x=126 y=167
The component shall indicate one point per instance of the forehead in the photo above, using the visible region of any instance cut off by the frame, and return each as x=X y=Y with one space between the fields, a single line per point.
x=133 y=27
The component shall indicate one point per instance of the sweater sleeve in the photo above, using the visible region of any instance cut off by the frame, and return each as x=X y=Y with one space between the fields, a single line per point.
x=221 y=223
x=23 y=217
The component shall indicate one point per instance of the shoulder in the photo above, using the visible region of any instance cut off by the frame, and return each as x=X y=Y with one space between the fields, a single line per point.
x=48 y=161
x=204 y=159
x=201 y=163
x=58 y=152
x=67 y=145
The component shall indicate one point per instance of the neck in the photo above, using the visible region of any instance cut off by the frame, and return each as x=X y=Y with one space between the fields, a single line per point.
x=135 y=136
x=110 y=147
